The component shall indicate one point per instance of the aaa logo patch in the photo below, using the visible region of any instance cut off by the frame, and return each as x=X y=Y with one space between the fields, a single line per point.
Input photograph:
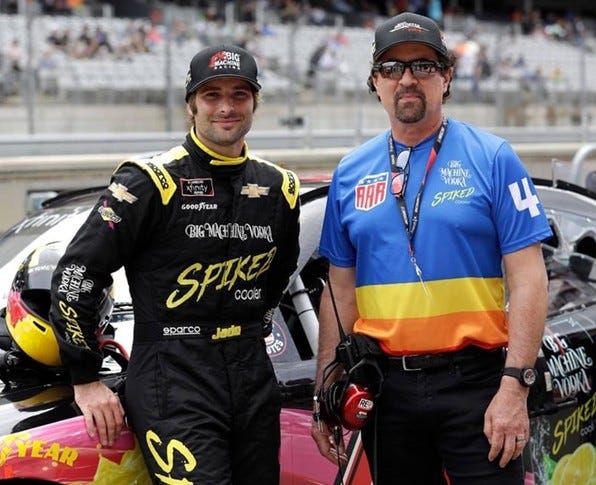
x=371 y=191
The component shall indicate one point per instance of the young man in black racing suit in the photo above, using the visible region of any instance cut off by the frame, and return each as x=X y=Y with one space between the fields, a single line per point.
x=208 y=235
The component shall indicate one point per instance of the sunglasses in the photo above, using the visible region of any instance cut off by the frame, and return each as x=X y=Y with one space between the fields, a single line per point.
x=398 y=173
x=420 y=69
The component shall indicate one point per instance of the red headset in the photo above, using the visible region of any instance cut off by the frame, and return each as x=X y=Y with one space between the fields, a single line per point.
x=349 y=403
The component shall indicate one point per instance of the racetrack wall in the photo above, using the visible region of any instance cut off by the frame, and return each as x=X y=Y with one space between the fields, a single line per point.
x=26 y=180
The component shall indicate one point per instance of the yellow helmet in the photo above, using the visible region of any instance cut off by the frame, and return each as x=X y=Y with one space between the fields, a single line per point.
x=28 y=306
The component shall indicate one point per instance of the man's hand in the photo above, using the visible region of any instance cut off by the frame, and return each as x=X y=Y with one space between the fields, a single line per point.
x=102 y=409
x=330 y=446
x=506 y=422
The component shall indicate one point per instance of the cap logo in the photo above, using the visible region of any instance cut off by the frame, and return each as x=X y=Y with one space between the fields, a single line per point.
x=225 y=60
x=409 y=26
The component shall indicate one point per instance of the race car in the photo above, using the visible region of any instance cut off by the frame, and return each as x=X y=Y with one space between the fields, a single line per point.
x=43 y=437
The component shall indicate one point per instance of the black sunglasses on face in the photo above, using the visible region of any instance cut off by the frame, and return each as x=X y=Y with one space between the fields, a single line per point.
x=420 y=69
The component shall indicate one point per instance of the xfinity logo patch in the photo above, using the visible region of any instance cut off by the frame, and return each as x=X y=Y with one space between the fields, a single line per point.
x=202 y=187
x=181 y=331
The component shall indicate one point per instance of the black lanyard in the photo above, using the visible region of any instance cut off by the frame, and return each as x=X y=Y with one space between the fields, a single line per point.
x=411 y=224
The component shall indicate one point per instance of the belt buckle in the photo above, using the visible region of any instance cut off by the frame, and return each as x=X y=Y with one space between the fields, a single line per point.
x=405 y=367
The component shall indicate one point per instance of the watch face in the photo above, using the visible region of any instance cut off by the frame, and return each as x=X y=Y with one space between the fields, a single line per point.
x=529 y=376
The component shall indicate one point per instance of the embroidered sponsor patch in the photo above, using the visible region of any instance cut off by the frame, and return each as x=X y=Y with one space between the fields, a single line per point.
x=225 y=60
x=121 y=193
x=108 y=215
x=411 y=26
x=254 y=191
x=371 y=191
x=181 y=331
x=227 y=332
x=202 y=187
x=159 y=174
x=252 y=294
x=231 y=230
x=199 y=206
x=73 y=282
x=197 y=278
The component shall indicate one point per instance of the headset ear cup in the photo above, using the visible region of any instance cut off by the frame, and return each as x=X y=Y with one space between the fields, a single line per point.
x=357 y=406
x=332 y=402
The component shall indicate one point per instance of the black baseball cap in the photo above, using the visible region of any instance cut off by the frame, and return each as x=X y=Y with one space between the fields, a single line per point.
x=221 y=61
x=408 y=27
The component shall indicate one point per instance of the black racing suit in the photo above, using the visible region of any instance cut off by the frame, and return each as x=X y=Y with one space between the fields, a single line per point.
x=208 y=244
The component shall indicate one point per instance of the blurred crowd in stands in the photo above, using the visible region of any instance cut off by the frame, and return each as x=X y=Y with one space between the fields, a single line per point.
x=128 y=38
x=137 y=37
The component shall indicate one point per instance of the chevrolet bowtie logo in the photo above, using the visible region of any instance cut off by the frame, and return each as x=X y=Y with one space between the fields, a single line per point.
x=253 y=190
x=121 y=193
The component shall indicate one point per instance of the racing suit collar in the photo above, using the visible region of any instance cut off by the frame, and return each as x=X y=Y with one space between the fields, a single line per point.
x=215 y=158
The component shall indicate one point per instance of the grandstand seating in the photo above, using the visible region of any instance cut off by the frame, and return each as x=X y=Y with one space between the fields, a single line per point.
x=283 y=54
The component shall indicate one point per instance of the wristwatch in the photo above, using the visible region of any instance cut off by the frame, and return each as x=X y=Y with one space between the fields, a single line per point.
x=526 y=375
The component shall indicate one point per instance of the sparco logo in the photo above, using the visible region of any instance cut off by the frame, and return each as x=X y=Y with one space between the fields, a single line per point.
x=157 y=171
x=181 y=331
x=292 y=183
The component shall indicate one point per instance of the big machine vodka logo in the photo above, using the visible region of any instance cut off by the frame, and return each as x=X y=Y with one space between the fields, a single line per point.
x=569 y=367
x=225 y=60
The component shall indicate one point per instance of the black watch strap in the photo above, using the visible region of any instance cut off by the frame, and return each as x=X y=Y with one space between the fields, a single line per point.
x=525 y=375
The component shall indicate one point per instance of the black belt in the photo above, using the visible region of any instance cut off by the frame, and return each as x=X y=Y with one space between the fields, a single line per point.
x=433 y=361
x=155 y=332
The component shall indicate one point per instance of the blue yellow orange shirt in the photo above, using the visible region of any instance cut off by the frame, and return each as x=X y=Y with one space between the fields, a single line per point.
x=478 y=204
